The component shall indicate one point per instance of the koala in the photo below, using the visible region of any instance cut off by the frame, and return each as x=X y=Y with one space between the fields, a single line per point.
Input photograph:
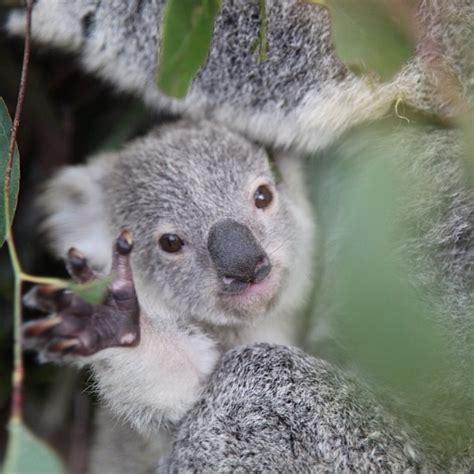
x=302 y=96
x=305 y=99
x=325 y=413
x=222 y=255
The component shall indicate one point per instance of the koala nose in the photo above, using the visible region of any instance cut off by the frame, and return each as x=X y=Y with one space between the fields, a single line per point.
x=236 y=254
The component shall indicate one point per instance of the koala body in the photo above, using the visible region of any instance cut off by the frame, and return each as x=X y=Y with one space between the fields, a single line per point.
x=299 y=416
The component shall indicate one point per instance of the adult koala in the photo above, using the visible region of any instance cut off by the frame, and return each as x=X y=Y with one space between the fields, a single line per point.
x=304 y=98
x=301 y=96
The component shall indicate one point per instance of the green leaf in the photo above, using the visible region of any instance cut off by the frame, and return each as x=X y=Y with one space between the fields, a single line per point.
x=370 y=37
x=27 y=454
x=263 y=40
x=5 y=133
x=93 y=292
x=186 y=37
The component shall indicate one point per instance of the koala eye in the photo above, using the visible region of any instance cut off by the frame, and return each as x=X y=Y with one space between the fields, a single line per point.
x=170 y=243
x=263 y=197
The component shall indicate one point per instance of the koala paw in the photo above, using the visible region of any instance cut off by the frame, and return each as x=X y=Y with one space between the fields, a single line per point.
x=76 y=327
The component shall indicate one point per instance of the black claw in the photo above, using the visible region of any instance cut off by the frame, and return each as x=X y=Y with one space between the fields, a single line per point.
x=124 y=243
x=77 y=266
x=76 y=259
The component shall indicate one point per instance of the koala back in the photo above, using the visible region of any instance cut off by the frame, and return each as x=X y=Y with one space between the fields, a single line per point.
x=283 y=410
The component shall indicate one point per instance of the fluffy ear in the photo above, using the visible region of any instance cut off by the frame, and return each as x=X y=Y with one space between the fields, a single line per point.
x=75 y=213
x=54 y=22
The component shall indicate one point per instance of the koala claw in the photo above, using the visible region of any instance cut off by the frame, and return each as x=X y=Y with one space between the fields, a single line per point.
x=78 y=327
x=78 y=268
x=35 y=329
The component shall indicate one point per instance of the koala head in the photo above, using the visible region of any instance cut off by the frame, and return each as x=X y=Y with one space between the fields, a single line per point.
x=217 y=237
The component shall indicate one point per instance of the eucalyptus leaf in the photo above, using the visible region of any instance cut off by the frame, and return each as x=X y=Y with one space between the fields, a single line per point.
x=26 y=454
x=93 y=292
x=186 y=37
x=5 y=133
x=369 y=37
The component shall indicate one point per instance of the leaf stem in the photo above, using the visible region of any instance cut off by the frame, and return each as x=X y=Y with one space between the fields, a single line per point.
x=18 y=370
x=263 y=40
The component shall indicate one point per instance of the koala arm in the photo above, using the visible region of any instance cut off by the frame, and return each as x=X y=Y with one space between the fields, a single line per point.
x=158 y=381
x=147 y=370
x=301 y=96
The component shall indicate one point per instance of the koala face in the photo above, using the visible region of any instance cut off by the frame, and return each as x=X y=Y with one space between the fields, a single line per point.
x=216 y=236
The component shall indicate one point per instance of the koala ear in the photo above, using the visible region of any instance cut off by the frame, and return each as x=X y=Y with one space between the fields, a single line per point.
x=75 y=213
x=55 y=23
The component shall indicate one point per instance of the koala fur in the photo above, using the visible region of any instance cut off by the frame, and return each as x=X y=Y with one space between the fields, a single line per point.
x=282 y=410
x=182 y=178
x=299 y=416
x=302 y=96
x=154 y=186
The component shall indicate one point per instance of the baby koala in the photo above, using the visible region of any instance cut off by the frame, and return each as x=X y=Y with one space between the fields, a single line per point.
x=222 y=255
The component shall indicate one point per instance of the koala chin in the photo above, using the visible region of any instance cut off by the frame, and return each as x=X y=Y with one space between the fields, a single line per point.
x=222 y=254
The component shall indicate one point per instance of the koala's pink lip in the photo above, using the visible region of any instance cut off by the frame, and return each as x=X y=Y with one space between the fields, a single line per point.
x=254 y=292
x=236 y=285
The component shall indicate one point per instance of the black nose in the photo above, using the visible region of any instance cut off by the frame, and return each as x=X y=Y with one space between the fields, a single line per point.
x=236 y=254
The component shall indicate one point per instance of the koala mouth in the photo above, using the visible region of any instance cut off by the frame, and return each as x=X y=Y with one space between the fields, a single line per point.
x=232 y=285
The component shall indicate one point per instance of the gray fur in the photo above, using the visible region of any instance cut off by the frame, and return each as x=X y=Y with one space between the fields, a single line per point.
x=275 y=409
x=284 y=411
x=182 y=179
x=301 y=96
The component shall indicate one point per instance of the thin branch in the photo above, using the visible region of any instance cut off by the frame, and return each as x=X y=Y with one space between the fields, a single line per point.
x=17 y=381
x=21 y=96
x=44 y=280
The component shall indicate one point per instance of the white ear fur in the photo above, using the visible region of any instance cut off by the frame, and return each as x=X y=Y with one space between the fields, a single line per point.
x=54 y=22
x=76 y=214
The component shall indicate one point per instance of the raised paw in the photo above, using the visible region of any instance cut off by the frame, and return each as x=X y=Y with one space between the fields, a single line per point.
x=80 y=328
